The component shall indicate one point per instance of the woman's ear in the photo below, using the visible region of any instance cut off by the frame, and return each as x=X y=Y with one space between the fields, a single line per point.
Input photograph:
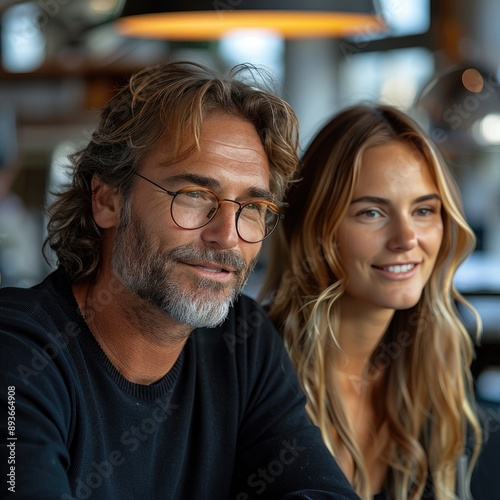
x=105 y=203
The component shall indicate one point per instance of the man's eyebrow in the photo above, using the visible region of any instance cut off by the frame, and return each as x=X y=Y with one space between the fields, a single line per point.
x=384 y=201
x=194 y=180
x=214 y=185
x=256 y=192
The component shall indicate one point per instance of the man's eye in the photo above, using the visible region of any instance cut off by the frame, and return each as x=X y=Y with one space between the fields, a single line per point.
x=251 y=207
x=192 y=194
x=198 y=195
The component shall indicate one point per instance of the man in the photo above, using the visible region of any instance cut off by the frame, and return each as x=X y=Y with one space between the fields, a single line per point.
x=134 y=371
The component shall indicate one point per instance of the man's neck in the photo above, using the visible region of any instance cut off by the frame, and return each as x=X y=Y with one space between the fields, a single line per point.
x=141 y=341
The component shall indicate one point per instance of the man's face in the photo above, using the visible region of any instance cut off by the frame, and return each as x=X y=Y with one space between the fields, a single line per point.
x=193 y=276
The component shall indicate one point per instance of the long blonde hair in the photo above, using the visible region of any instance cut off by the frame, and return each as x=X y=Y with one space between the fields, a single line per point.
x=426 y=351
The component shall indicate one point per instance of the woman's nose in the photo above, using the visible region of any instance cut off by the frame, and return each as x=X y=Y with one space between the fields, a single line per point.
x=403 y=235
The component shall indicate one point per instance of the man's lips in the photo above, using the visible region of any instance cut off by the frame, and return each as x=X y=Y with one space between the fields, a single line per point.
x=209 y=267
x=210 y=262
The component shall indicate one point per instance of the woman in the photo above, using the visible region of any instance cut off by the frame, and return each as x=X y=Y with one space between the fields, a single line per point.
x=361 y=287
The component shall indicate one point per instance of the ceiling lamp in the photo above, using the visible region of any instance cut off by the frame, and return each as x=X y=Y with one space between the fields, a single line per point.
x=209 y=20
x=462 y=109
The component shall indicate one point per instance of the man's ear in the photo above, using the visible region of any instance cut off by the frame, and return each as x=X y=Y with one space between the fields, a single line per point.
x=105 y=203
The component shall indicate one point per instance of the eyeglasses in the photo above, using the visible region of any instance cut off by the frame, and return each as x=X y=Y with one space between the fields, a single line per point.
x=195 y=207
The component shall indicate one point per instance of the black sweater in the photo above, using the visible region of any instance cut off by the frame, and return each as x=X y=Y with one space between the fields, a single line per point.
x=227 y=421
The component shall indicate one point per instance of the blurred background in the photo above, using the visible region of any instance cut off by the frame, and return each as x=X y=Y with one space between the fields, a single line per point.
x=61 y=60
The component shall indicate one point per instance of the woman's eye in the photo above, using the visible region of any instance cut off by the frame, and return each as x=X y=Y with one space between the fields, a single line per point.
x=370 y=213
x=425 y=211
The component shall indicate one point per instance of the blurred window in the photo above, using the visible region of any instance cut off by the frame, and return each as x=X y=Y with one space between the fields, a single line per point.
x=23 y=43
x=394 y=76
x=405 y=17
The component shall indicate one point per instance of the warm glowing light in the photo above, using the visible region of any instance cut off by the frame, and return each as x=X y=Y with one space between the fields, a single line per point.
x=206 y=25
x=472 y=80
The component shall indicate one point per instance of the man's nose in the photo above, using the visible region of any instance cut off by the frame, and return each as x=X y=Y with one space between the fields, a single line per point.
x=221 y=231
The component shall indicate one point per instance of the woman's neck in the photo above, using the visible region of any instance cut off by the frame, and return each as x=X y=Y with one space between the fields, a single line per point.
x=359 y=386
x=359 y=335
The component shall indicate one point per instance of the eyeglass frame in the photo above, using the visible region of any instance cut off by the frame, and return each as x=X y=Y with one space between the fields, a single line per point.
x=270 y=204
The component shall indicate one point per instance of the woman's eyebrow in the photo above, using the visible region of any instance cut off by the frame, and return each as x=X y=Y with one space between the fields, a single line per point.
x=385 y=201
x=371 y=199
x=428 y=197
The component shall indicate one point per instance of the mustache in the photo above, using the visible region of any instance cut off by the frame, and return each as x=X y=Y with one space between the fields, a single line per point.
x=226 y=258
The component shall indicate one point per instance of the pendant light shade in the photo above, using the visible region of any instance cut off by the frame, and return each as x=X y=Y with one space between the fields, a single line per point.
x=209 y=20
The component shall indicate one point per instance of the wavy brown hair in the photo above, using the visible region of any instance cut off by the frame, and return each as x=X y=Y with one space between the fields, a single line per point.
x=166 y=101
x=424 y=356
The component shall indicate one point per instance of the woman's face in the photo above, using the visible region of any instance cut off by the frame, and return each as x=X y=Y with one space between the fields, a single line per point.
x=389 y=239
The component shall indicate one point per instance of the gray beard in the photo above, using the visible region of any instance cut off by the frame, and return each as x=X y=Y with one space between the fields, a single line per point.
x=146 y=271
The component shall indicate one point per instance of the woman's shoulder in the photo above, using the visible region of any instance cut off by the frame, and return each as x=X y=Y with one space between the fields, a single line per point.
x=485 y=481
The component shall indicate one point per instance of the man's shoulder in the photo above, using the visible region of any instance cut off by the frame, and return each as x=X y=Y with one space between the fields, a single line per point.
x=26 y=297
x=35 y=308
